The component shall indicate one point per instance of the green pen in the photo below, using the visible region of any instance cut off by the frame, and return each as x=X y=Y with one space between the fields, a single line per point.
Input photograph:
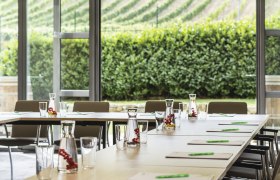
x=201 y=154
x=239 y=122
x=233 y=129
x=172 y=176
x=223 y=114
x=217 y=141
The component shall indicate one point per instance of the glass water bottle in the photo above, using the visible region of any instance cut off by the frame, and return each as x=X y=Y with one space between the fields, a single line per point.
x=192 y=110
x=169 y=120
x=132 y=131
x=67 y=152
x=52 y=101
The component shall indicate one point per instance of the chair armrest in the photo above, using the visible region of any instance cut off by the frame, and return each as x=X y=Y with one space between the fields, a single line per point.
x=262 y=137
x=255 y=151
x=248 y=164
x=269 y=130
x=265 y=148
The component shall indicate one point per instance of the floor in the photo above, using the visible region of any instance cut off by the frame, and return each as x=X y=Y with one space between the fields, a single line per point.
x=24 y=165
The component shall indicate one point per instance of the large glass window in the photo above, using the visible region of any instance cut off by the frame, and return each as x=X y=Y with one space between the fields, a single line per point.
x=159 y=49
x=39 y=49
x=8 y=54
x=272 y=60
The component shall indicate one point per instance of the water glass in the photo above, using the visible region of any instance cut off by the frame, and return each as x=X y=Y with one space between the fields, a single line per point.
x=63 y=108
x=43 y=108
x=88 y=149
x=143 y=130
x=202 y=111
x=177 y=116
x=159 y=115
x=44 y=161
x=120 y=131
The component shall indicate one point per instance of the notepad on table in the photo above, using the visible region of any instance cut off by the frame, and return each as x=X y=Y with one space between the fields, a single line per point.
x=244 y=123
x=181 y=176
x=231 y=130
x=221 y=142
x=221 y=115
x=200 y=155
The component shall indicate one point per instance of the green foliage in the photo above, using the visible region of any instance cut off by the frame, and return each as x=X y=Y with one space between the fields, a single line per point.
x=219 y=10
x=195 y=11
x=136 y=13
x=209 y=59
x=117 y=13
x=177 y=12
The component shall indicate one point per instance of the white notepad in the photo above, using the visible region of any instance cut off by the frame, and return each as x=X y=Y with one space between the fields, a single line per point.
x=152 y=176
x=186 y=155
x=204 y=142
x=232 y=131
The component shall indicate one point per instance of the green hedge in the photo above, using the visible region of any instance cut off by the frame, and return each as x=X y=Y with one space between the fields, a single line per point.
x=210 y=59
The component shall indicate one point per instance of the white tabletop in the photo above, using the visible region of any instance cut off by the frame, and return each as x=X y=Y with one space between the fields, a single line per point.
x=150 y=157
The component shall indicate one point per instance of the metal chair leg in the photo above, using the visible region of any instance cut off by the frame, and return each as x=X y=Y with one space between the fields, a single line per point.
x=108 y=126
x=10 y=154
x=11 y=162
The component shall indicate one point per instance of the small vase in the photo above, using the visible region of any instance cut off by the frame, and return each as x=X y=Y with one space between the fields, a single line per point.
x=192 y=111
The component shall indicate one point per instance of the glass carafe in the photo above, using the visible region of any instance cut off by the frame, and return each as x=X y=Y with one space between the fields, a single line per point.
x=52 y=101
x=67 y=152
x=192 y=110
x=132 y=131
x=169 y=120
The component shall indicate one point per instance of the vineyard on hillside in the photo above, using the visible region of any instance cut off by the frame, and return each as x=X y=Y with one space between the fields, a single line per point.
x=131 y=14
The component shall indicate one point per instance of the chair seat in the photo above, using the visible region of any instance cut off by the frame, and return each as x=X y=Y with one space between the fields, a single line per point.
x=16 y=141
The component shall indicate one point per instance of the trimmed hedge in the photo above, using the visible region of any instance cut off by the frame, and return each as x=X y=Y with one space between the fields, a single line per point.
x=210 y=59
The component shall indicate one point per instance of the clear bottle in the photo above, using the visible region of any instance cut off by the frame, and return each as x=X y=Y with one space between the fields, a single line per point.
x=192 y=110
x=52 y=101
x=169 y=120
x=132 y=136
x=67 y=152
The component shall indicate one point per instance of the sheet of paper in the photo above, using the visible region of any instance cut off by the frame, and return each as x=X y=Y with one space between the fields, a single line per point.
x=204 y=142
x=152 y=176
x=186 y=155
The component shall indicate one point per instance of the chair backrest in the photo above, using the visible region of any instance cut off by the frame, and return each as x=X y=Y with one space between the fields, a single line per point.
x=227 y=107
x=91 y=130
x=158 y=105
x=91 y=106
x=27 y=130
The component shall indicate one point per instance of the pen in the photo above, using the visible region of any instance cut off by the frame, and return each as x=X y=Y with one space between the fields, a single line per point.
x=239 y=122
x=234 y=129
x=217 y=141
x=172 y=176
x=201 y=154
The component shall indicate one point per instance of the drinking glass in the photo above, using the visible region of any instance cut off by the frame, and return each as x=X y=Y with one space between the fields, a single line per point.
x=143 y=128
x=159 y=115
x=88 y=149
x=202 y=111
x=177 y=116
x=120 y=131
x=44 y=161
x=63 y=109
x=43 y=109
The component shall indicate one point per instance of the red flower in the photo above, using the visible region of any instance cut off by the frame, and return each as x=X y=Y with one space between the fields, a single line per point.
x=71 y=163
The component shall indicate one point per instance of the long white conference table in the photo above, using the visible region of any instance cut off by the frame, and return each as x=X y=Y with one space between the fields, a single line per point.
x=150 y=159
